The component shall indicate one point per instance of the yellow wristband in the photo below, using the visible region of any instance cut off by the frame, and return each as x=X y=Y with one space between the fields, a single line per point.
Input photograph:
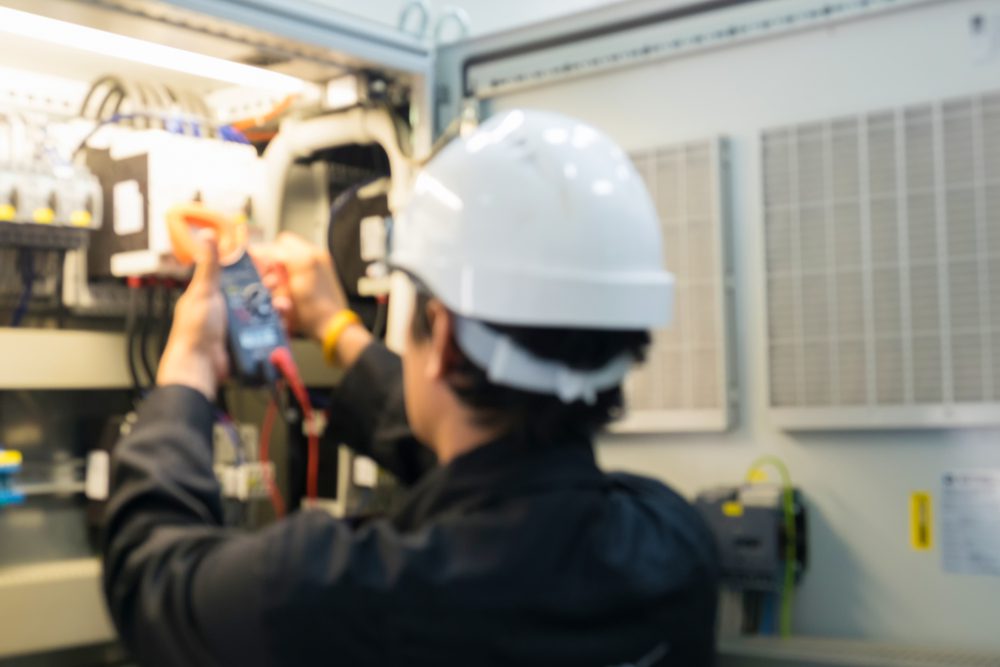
x=338 y=323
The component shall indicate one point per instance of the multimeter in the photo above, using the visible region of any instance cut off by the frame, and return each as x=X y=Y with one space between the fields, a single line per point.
x=255 y=327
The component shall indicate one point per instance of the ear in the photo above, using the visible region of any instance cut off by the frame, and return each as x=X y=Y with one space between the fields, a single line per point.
x=440 y=359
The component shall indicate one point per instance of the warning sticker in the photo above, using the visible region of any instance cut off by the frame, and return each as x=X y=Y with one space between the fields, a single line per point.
x=970 y=522
x=921 y=524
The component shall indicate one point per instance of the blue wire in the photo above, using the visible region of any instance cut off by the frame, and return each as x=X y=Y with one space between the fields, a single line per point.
x=27 y=262
x=173 y=124
x=178 y=125
x=234 y=434
x=230 y=133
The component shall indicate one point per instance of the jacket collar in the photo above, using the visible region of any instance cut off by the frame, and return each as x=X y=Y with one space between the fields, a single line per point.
x=501 y=469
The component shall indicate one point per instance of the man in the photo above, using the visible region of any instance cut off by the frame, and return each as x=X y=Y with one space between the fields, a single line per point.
x=536 y=257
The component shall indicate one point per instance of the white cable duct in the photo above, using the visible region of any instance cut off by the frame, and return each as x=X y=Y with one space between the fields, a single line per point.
x=300 y=139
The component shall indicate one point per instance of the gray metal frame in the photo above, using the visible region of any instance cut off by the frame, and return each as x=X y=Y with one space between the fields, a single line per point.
x=304 y=30
x=621 y=35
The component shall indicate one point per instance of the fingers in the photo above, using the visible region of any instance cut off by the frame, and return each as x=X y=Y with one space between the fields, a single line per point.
x=283 y=305
x=206 y=273
x=263 y=257
x=273 y=280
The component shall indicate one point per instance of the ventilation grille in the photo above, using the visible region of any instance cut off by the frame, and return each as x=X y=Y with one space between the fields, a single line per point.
x=883 y=267
x=683 y=385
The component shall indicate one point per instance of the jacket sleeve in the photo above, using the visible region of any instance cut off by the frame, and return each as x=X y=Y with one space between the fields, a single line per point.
x=368 y=415
x=184 y=590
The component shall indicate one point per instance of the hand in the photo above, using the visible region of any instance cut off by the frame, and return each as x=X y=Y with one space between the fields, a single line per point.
x=303 y=283
x=195 y=355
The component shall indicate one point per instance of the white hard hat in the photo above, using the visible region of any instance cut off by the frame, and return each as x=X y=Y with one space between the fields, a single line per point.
x=538 y=220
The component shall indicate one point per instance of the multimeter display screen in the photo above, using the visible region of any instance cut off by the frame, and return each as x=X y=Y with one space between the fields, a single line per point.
x=258 y=337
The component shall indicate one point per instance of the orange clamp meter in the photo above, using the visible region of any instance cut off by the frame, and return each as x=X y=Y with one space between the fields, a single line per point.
x=231 y=233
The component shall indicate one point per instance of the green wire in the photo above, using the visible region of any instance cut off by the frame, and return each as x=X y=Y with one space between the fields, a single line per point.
x=787 y=589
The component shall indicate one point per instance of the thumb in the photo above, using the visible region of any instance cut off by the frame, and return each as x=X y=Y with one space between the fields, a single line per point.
x=206 y=273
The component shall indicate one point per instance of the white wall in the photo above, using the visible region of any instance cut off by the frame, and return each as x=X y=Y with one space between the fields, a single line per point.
x=864 y=580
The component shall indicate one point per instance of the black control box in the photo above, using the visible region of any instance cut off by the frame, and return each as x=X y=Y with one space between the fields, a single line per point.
x=749 y=526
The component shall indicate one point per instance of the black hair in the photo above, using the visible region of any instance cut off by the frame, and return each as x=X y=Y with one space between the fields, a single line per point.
x=541 y=418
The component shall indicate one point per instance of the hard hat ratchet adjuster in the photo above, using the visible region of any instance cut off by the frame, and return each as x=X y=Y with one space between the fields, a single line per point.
x=508 y=364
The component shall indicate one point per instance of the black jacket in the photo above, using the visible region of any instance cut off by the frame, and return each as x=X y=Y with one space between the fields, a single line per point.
x=514 y=554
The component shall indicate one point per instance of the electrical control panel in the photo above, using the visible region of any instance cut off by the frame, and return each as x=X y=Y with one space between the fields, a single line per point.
x=112 y=114
x=144 y=173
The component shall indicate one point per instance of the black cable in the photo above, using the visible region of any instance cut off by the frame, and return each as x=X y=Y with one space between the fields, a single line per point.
x=86 y=140
x=119 y=95
x=26 y=264
x=93 y=89
x=401 y=128
x=130 y=321
x=166 y=319
x=60 y=280
x=101 y=122
x=222 y=400
x=144 y=336
x=381 y=318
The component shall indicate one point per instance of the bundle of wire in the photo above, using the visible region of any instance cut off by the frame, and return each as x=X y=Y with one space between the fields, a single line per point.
x=141 y=324
x=33 y=276
x=113 y=100
x=262 y=128
x=146 y=104
x=26 y=264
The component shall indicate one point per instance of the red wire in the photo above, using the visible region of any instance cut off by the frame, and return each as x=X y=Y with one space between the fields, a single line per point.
x=277 y=502
x=282 y=360
x=312 y=468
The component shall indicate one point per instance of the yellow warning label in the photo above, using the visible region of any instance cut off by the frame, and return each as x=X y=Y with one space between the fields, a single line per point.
x=732 y=509
x=7 y=213
x=921 y=521
x=81 y=218
x=44 y=216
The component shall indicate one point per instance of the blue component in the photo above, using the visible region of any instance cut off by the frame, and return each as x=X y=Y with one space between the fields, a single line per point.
x=10 y=497
x=9 y=466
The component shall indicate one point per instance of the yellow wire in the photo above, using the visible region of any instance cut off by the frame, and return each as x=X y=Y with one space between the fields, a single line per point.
x=787 y=589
